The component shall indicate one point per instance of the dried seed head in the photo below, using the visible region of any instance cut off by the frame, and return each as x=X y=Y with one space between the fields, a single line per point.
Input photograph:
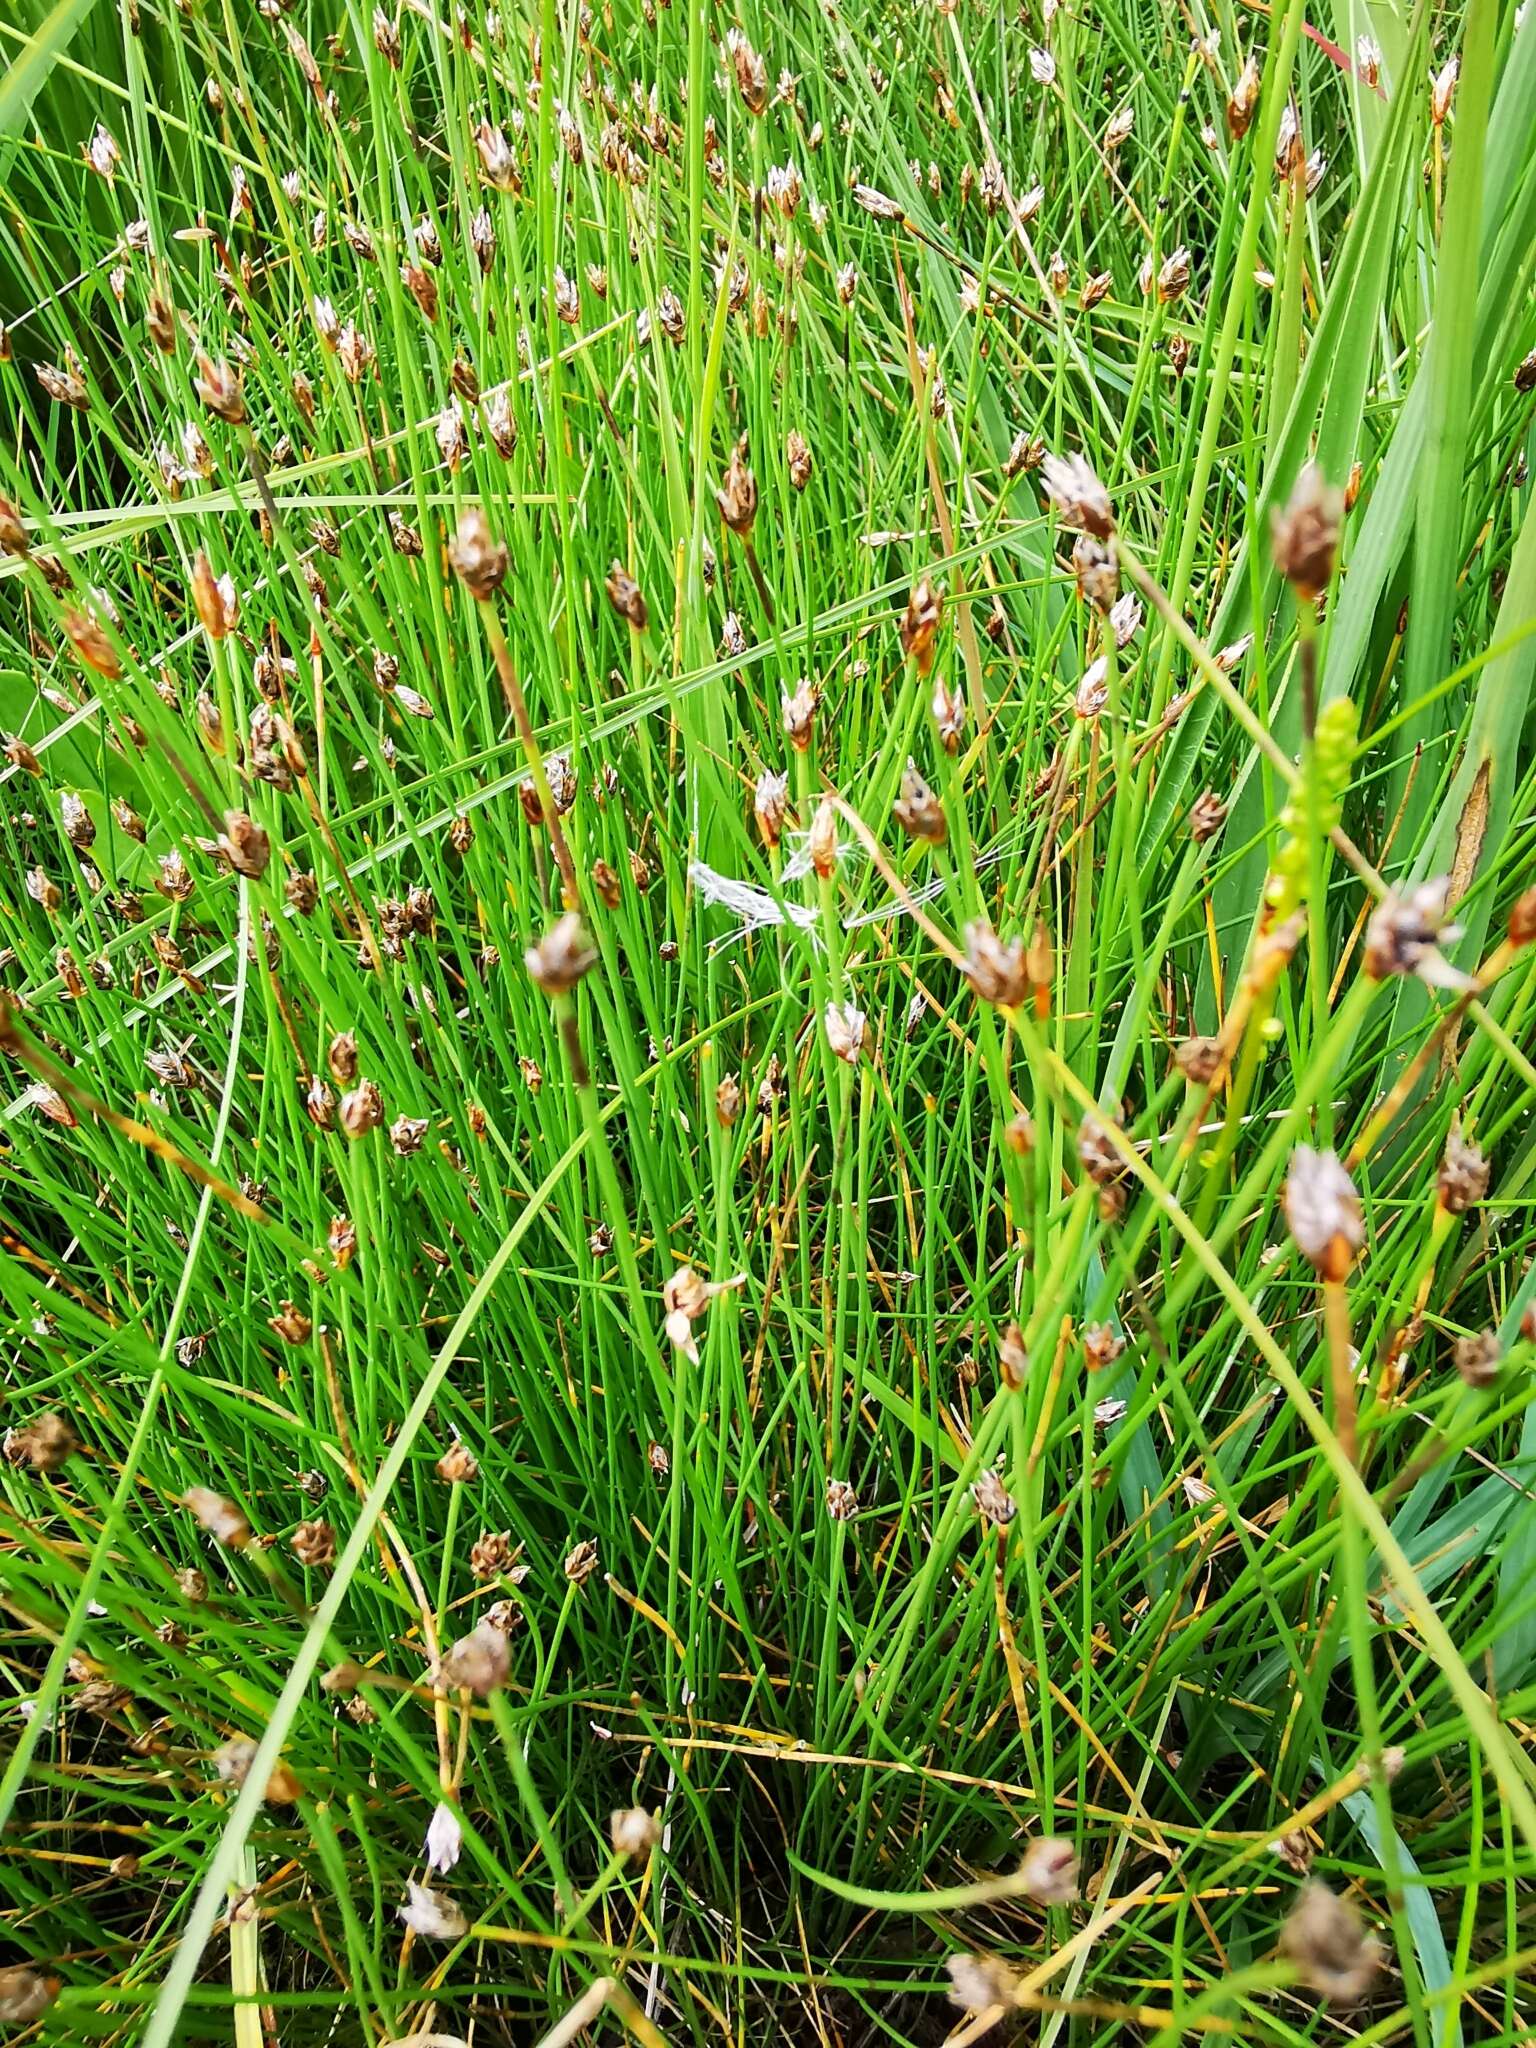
x=1479 y=1358
x=66 y=386
x=1012 y=1357
x=1101 y=1346
x=214 y=596
x=1207 y=816
x=91 y=644
x=728 y=1101
x=362 y=1109
x=45 y=1444
x=1367 y=61
x=478 y=560
x=1078 y=496
x=245 y=845
x=1026 y=452
x=798 y=458
x=314 y=1545
x=561 y=957
x=1322 y=1210
x=949 y=716
x=219 y=387
x=221 y=1518
x=768 y=801
x=994 y=1503
x=918 y=811
x=479 y=1662
x=634 y=1832
x=1244 y=101
x=737 y=495
x=800 y=714
x=1405 y=934
x=625 y=596
x=842 y=1500
x=1326 y=1939
x=845 y=1028
x=13 y=532
x=1173 y=277
x=995 y=969
x=406 y=1134
x=1463 y=1177
x=1305 y=536
x=291 y=1324
x=20 y=754
x=1442 y=90
x=1097 y=1153
x=977 y=1983
x=24 y=1995
x=1200 y=1060
x=432 y=1914
x=606 y=882
x=821 y=841
x=920 y=624
x=1049 y=1870
x=581 y=1562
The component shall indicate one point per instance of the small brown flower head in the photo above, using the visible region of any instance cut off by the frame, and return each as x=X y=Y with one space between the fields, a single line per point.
x=1525 y=373
x=341 y=1058
x=1305 y=536
x=1096 y=567
x=20 y=755
x=1243 y=101
x=66 y=386
x=386 y=39
x=1322 y=1210
x=496 y=159
x=245 y=845
x=291 y=1324
x=46 y=1444
x=362 y=1109
x=798 y=459
x=821 y=840
x=13 y=532
x=458 y=1465
x=1199 y=1060
x=319 y=1104
x=1026 y=452
x=848 y=282
x=192 y=1586
x=406 y=1134
x=219 y=387
x=1049 y=1870
x=1405 y=934
x=50 y=1105
x=1442 y=90
x=750 y=71
x=221 y=1518
x=1368 y=61
x=476 y=558
x=1522 y=919
x=492 y=1553
x=214 y=597
x=842 y=1500
x=1463 y=1177
x=799 y=713
x=918 y=811
x=341 y=1241
x=314 y=1545
x=633 y=1832
x=977 y=1983
x=91 y=644
x=581 y=1562
x=949 y=716
x=78 y=826
x=768 y=801
x=995 y=968
x=1097 y=1153
x=1079 y=498
x=625 y=596
x=920 y=624
x=561 y=957
x=1207 y=816
x=994 y=1503
x=737 y=495
x=845 y=1027
x=24 y=1995
x=1326 y=1939
x=1101 y=1347
x=41 y=887
x=1173 y=277
x=1479 y=1358
x=1019 y=1133
x=728 y=1101
x=605 y=881
x=1012 y=1357
x=1295 y=1850
x=477 y=1663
